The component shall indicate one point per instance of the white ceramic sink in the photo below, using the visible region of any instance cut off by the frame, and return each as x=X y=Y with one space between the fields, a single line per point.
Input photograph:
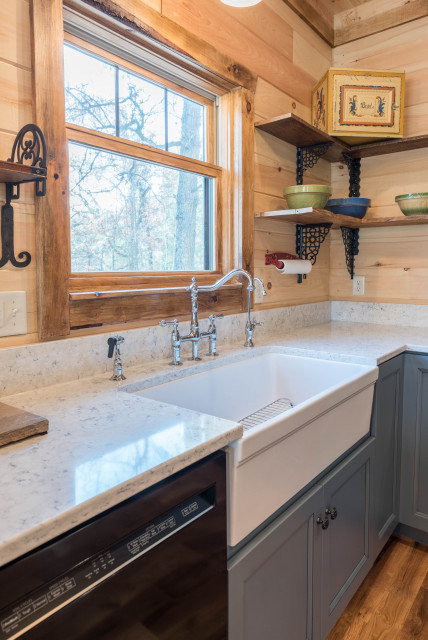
x=281 y=455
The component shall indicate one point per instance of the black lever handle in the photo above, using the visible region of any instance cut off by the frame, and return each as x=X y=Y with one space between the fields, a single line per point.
x=111 y=345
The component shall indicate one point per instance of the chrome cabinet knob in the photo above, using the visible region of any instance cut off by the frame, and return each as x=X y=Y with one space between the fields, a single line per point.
x=332 y=513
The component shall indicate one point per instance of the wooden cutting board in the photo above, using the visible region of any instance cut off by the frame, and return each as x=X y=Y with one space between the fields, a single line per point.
x=16 y=424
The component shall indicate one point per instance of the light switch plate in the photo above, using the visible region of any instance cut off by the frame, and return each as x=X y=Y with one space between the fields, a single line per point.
x=13 y=313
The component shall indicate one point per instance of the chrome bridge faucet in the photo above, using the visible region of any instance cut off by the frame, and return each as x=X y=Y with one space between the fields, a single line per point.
x=195 y=334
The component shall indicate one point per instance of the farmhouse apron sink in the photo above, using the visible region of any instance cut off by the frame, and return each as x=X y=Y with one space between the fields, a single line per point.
x=299 y=415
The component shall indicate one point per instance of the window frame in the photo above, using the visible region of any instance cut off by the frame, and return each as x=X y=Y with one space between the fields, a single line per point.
x=138 y=300
x=94 y=283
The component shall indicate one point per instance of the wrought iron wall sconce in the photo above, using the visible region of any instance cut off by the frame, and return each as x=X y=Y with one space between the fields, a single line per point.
x=29 y=145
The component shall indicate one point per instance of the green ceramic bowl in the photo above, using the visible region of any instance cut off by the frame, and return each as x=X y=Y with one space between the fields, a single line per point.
x=413 y=204
x=307 y=195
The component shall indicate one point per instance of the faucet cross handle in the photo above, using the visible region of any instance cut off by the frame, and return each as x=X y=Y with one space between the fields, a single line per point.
x=164 y=323
x=212 y=318
x=212 y=334
x=175 y=341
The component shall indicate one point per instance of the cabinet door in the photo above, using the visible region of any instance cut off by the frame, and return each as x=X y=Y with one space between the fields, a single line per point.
x=414 y=457
x=272 y=581
x=345 y=543
x=386 y=427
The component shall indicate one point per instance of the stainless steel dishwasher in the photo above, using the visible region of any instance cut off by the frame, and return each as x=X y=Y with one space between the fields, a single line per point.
x=152 y=568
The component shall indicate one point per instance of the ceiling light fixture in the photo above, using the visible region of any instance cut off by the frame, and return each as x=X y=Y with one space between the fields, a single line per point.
x=240 y=3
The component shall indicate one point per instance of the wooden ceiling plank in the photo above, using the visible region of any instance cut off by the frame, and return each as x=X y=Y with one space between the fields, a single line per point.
x=374 y=17
x=317 y=15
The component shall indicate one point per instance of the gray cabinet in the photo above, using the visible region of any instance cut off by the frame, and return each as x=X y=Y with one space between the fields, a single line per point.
x=386 y=428
x=414 y=456
x=346 y=543
x=294 y=579
x=273 y=581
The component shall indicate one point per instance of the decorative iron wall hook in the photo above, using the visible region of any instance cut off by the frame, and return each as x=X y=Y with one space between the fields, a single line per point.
x=29 y=145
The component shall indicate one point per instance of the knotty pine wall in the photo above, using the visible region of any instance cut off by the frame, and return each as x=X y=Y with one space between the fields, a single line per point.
x=393 y=260
x=269 y=39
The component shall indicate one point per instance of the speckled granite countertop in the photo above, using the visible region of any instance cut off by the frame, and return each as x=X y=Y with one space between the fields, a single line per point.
x=105 y=445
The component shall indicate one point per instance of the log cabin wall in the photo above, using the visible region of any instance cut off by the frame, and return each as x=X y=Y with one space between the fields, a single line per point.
x=393 y=260
x=269 y=39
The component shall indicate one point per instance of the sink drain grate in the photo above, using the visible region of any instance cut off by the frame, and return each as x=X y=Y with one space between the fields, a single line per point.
x=266 y=413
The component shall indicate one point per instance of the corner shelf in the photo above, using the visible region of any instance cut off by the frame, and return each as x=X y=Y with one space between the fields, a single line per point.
x=309 y=215
x=298 y=132
x=312 y=144
x=318 y=222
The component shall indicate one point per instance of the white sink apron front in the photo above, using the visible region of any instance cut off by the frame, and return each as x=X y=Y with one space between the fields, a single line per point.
x=327 y=410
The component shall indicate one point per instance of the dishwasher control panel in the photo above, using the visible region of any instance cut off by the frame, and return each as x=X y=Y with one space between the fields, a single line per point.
x=43 y=602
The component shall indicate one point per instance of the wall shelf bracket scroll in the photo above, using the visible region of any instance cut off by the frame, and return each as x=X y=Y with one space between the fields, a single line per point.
x=309 y=238
x=350 y=240
x=354 y=168
x=307 y=157
x=29 y=145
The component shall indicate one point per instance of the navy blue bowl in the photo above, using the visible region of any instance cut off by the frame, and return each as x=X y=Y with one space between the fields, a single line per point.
x=355 y=207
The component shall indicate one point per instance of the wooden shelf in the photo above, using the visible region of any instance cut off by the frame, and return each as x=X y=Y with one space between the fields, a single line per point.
x=321 y=216
x=292 y=129
x=14 y=172
x=384 y=147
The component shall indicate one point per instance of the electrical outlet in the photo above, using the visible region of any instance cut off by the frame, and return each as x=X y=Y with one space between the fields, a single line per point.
x=358 y=284
x=13 y=313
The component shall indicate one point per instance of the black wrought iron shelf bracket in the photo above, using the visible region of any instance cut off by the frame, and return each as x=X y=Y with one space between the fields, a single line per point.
x=354 y=168
x=351 y=241
x=309 y=238
x=307 y=157
x=29 y=145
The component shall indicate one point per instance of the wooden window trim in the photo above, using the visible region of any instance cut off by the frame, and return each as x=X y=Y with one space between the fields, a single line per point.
x=58 y=311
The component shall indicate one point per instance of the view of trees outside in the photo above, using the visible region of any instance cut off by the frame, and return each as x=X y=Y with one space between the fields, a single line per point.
x=127 y=214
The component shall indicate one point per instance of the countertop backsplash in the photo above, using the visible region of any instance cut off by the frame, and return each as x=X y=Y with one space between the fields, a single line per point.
x=45 y=363
x=402 y=315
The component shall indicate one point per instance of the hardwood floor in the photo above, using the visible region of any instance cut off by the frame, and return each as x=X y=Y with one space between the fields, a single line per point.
x=392 y=602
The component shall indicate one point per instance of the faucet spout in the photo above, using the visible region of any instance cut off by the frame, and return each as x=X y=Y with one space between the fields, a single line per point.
x=250 y=325
x=224 y=279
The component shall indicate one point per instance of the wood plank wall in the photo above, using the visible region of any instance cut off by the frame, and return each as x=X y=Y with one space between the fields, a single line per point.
x=394 y=261
x=289 y=58
x=15 y=111
x=273 y=42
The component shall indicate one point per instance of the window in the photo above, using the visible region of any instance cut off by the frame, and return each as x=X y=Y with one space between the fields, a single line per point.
x=142 y=193
x=217 y=163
